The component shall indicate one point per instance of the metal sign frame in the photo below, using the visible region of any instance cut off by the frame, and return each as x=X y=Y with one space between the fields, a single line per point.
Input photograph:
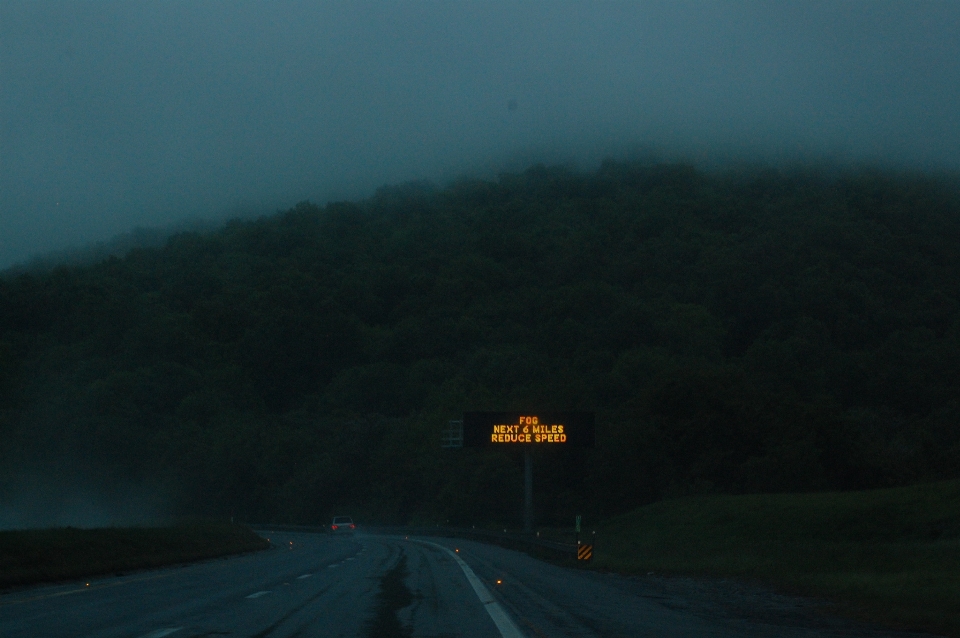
x=452 y=435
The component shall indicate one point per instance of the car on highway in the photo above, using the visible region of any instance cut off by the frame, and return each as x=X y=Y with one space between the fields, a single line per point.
x=342 y=525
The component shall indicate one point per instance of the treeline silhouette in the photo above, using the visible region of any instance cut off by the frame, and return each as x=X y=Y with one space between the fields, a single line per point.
x=739 y=331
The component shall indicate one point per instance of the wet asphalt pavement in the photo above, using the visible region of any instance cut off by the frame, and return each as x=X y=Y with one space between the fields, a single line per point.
x=385 y=587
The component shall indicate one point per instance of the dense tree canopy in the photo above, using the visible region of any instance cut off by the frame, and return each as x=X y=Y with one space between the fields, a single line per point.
x=736 y=331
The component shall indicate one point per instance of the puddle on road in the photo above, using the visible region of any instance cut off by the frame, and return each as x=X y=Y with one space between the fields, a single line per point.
x=394 y=596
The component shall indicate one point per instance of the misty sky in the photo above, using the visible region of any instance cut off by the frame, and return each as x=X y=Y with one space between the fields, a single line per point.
x=117 y=115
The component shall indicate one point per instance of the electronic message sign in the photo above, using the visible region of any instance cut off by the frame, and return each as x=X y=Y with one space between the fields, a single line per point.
x=563 y=429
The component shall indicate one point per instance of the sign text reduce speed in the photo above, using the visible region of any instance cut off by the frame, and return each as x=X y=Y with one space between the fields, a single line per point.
x=573 y=429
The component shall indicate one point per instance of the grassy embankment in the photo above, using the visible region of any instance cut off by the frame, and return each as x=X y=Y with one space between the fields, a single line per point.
x=34 y=556
x=891 y=555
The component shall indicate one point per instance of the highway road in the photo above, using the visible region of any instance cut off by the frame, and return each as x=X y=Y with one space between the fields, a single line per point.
x=386 y=587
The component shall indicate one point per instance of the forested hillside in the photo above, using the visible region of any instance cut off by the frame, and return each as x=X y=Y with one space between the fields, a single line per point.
x=744 y=331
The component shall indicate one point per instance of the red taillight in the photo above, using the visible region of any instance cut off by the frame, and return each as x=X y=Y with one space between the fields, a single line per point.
x=334 y=526
x=352 y=526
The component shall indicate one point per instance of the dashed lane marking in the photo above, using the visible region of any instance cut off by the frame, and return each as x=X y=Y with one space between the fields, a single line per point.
x=508 y=629
x=258 y=594
x=304 y=576
x=85 y=588
x=160 y=633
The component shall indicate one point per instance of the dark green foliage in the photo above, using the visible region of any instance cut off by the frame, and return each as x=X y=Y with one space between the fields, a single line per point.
x=748 y=331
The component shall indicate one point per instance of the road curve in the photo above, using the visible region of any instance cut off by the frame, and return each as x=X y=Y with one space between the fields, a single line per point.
x=379 y=586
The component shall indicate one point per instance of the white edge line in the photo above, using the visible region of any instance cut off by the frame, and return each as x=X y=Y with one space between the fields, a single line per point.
x=500 y=618
x=160 y=633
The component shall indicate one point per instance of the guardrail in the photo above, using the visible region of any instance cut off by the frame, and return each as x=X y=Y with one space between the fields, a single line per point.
x=512 y=540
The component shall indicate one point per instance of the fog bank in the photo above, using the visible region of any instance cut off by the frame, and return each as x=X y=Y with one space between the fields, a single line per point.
x=117 y=115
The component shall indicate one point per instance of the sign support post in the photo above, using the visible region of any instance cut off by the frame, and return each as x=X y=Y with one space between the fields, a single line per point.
x=527 y=490
x=524 y=429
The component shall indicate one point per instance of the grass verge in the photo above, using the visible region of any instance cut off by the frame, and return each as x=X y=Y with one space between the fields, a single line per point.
x=889 y=555
x=35 y=556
